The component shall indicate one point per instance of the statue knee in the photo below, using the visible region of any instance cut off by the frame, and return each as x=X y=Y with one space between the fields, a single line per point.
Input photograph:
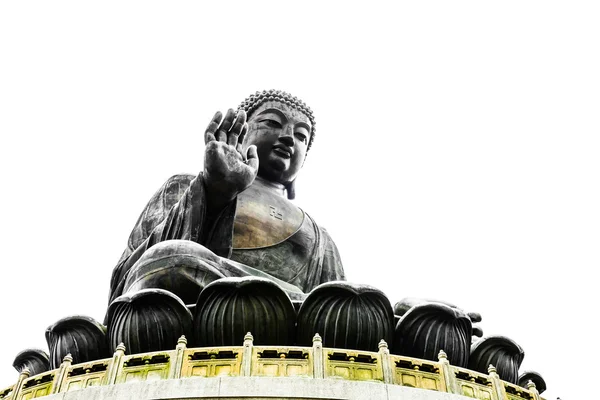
x=182 y=267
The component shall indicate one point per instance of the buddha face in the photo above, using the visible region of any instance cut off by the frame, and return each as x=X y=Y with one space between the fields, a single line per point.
x=281 y=135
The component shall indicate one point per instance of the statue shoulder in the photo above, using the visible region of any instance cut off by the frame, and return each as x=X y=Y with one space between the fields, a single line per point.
x=158 y=206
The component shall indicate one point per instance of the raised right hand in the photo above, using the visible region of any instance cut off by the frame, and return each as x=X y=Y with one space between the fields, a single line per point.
x=228 y=171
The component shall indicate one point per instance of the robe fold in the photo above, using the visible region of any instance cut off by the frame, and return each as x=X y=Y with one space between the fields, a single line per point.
x=178 y=211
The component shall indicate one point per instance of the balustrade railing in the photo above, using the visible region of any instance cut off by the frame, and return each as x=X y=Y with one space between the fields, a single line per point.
x=269 y=361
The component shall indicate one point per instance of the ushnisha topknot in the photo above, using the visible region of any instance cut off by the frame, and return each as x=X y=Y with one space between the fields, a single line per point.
x=255 y=100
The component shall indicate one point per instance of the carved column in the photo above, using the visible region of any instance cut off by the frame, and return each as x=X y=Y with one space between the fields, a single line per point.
x=318 y=368
x=448 y=374
x=246 y=367
x=499 y=390
x=61 y=374
x=177 y=363
x=384 y=361
x=533 y=389
x=22 y=376
x=115 y=364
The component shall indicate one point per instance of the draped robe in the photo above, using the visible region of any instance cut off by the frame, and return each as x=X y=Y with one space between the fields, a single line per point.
x=178 y=211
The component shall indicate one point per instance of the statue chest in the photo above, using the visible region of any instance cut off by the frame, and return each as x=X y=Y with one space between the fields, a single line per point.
x=264 y=219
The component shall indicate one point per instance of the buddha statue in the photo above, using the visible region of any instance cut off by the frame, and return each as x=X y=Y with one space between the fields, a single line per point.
x=233 y=232
x=235 y=217
x=225 y=252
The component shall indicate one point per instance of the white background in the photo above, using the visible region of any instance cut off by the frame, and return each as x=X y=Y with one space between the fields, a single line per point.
x=456 y=153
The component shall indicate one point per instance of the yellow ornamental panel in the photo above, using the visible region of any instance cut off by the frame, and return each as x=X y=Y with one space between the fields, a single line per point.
x=211 y=362
x=353 y=365
x=296 y=370
x=409 y=380
x=281 y=361
x=134 y=376
x=428 y=383
x=363 y=374
x=342 y=372
x=223 y=370
x=267 y=369
x=156 y=374
x=468 y=391
x=42 y=392
x=93 y=382
x=485 y=395
x=75 y=385
x=200 y=370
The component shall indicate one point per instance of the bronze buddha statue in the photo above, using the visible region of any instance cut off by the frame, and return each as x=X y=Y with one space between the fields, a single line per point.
x=222 y=253
x=235 y=216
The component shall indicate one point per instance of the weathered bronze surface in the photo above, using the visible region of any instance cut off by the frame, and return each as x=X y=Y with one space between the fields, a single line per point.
x=229 y=308
x=427 y=328
x=147 y=320
x=346 y=316
x=36 y=360
x=82 y=337
x=264 y=219
x=503 y=353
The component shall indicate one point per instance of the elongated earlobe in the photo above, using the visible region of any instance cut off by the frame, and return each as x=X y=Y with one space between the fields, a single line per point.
x=291 y=190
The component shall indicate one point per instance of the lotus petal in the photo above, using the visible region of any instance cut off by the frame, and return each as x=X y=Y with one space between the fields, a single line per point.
x=230 y=307
x=540 y=383
x=83 y=337
x=427 y=328
x=36 y=360
x=346 y=316
x=501 y=352
x=148 y=320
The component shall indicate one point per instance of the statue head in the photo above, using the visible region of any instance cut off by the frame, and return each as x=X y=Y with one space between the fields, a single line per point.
x=282 y=128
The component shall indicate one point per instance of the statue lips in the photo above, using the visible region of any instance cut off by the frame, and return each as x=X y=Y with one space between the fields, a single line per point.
x=283 y=150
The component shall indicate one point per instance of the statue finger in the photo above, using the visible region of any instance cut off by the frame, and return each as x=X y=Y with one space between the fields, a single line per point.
x=236 y=130
x=243 y=133
x=252 y=156
x=240 y=117
x=234 y=133
x=239 y=146
x=225 y=126
x=209 y=134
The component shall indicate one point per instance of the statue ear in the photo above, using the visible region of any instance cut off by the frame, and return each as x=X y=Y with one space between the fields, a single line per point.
x=291 y=190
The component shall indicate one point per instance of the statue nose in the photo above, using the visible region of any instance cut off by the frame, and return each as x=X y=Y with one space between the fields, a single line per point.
x=287 y=137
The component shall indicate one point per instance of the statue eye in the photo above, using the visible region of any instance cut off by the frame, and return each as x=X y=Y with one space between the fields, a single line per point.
x=301 y=136
x=271 y=123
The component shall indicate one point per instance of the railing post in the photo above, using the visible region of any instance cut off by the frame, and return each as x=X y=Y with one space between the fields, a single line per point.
x=448 y=373
x=177 y=363
x=246 y=368
x=115 y=364
x=19 y=385
x=497 y=383
x=318 y=368
x=384 y=360
x=61 y=374
x=533 y=389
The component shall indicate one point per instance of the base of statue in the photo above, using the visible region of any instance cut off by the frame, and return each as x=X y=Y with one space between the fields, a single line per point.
x=264 y=372
x=255 y=388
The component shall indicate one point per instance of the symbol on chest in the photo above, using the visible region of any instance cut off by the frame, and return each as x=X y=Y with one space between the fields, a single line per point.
x=275 y=214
